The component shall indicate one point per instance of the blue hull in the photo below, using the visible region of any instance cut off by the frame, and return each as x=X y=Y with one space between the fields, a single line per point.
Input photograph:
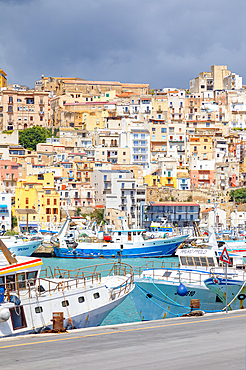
x=163 y=250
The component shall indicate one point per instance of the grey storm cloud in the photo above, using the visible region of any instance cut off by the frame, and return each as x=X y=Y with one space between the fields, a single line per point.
x=163 y=43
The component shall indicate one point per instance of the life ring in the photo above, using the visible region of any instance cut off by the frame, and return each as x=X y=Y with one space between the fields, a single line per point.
x=241 y=297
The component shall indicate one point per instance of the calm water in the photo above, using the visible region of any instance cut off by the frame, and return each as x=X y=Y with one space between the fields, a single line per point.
x=125 y=312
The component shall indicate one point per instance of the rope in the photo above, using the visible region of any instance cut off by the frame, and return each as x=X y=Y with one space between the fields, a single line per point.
x=69 y=318
x=175 y=303
x=235 y=296
x=162 y=308
x=30 y=307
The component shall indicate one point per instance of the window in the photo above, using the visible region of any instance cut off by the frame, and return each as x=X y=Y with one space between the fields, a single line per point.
x=48 y=201
x=47 y=192
x=81 y=299
x=38 y=309
x=65 y=303
x=96 y=295
x=55 y=202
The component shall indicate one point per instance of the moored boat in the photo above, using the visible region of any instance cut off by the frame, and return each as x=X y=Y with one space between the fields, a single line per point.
x=171 y=292
x=22 y=245
x=29 y=297
x=126 y=243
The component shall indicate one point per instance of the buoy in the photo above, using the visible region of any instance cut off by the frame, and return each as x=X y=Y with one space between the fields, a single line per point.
x=181 y=290
x=4 y=314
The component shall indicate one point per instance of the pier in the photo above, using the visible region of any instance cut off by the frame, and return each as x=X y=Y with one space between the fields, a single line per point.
x=214 y=341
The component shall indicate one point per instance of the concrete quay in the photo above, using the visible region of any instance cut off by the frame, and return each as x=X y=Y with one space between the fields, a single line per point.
x=214 y=341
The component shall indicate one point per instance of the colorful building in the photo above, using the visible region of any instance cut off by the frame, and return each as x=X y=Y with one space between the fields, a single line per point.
x=38 y=192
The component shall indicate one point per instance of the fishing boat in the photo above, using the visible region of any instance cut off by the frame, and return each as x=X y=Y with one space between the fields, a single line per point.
x=125 y=243
x=234 y=246
x=234 y=286
x=83 y=297
x=22 y=245
x=171 y=292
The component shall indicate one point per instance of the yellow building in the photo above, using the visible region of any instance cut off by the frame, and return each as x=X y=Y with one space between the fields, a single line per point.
x=3 y=78
x=201 y=146
x=38 y=192
x=156 y=180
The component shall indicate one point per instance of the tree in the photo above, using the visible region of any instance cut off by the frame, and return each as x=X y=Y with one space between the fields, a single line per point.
x=239 y=195
x=30 y=137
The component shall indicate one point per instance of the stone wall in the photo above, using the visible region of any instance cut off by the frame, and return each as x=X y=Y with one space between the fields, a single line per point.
x=163 y=194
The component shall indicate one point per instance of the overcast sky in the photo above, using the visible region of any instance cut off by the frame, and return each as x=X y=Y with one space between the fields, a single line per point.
x=160 y=42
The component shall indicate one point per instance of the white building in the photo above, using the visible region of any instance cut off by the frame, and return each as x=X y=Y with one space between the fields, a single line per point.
x=116 y=189
x=5 y=211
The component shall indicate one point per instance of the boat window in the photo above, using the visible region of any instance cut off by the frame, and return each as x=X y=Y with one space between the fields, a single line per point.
x=31 y=276
x=65 y=303
x=96 y=295
x=189 y=261
x=21 y=280
x=210 y=261
x=166 y=274
x=197 y=261
x=10 y=281
x=183 y=261
x=203 y=261
x=38 y=309
x=2 y=281
x=81 y=299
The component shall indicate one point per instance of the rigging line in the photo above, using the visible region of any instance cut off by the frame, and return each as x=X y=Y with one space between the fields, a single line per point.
x=235 y=296
x=177 y=304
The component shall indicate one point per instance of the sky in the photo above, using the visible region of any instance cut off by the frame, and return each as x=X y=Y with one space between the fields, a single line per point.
x=161 y=42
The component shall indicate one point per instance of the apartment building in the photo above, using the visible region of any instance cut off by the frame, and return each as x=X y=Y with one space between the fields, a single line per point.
x=201 y=172
x=24 y=109
x=38 y=192
x=116 y=189
x=178 y=213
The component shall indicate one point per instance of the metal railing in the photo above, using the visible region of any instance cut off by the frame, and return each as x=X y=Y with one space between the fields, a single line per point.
x=72 y=279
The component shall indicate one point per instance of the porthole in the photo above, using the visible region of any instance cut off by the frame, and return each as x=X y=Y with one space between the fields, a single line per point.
x=96 y=295
x=38 y=309
x=81 y=299
x=65 y=303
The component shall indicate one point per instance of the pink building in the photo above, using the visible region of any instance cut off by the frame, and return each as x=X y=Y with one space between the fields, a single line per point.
x=9 y=174
x=202 y=173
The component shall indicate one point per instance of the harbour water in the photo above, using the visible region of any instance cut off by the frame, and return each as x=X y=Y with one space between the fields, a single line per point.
x=126 y=312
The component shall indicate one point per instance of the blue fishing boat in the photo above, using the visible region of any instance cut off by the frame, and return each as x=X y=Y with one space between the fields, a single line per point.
x=131 y=243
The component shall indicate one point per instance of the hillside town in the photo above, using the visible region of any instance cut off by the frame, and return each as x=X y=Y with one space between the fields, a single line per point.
x=125 y=151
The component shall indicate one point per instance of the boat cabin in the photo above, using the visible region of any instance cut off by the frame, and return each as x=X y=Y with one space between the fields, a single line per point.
x=131 y=235
x=206 y=258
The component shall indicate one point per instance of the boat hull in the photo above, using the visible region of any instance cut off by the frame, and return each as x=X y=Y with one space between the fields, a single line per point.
x=236 y=291
x=149 y=248
x=24 y=249
x=155 y=299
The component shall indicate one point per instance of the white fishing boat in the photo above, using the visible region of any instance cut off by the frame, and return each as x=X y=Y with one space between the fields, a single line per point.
x=29 y=296
x=171 y=292
x=22 y=245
